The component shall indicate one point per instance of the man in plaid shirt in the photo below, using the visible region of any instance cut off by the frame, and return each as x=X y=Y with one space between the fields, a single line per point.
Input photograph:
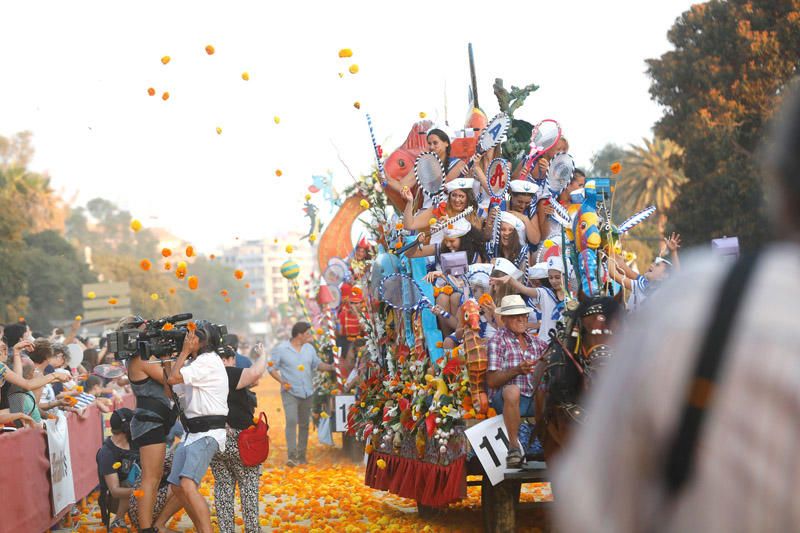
x=513 y=353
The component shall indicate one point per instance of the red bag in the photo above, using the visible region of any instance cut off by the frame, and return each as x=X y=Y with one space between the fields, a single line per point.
x=254 y=443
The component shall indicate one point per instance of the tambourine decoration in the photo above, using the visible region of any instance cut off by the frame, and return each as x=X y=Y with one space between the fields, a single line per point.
x=545 y=135
x=429 y=173
x=491 y=136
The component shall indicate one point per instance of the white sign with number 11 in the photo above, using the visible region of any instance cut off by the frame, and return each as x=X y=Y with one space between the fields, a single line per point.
x=489 y=441
x=342 y=407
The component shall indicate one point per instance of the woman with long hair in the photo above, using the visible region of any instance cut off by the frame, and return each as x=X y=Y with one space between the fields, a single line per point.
x=459 y=197
x=227 y=466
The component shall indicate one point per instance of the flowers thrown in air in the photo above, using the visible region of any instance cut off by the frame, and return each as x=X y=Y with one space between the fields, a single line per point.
x=223 y=292
x=192 y=281
x=166 y=252
x=189 y=251
x=422 y=114
x=136 y=225
x=276 y=119
x=78 y=318
x=112 y=301
x=238 y=274
x=165 y=59
x=145 y=264
x=91 y=295
x=154 y=296
x=245 y=76
x=165 y=95
x=279 y=173
x=345 y=52
x=616 y=167
x=289 y=248
x=219 y=130
x=151 y=91
x=353 y=69
x=357 y=104
x=301 y=368
x=210 y=50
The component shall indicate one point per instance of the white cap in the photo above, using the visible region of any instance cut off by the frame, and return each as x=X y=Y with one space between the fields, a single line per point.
x=555 y=263
x=459 y=183
x=523 y=187
x=459 y=228
x=515 y=222
x=501 y=264
x=538 y=271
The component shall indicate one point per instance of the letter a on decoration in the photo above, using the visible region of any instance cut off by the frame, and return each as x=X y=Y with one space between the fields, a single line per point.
x=495 y=131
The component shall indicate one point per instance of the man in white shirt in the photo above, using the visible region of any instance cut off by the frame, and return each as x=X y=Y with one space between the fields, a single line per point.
x=621 y=472
x=202 y=387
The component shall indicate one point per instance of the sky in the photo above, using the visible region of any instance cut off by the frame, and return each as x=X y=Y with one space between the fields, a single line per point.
x=76 y=75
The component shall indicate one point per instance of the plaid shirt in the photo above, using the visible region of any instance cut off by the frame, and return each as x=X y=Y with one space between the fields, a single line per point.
x=505 y=352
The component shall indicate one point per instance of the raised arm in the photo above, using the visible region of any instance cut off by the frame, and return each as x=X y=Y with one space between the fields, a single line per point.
x=190 y=345
x=253 y=373
x=410 y=220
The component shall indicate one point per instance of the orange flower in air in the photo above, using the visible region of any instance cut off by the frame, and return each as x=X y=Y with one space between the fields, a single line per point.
x=223 y=292
x=112 y=301
x=180 y=270
x=166 y=252
x=167 y=266
x=238 y=274
x=172 y=290
x=246 y=285
x=151 y=91
x=192 y=281
x=145 y=264
x=165 y=96
x=210 y=50
x=168 y=327
x=212 y=257
x=616 y=167
x=227 y=300
x=189 y=251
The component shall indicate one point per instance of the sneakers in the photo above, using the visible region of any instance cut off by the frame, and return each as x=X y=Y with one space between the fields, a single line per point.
x=291 y=463
x=514 y=458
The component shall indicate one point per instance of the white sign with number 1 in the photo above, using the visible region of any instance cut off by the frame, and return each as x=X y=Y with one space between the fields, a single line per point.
x=489 y=441
x=342 y=405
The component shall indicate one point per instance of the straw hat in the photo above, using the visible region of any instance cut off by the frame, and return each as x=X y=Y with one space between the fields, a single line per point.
x=513 y=304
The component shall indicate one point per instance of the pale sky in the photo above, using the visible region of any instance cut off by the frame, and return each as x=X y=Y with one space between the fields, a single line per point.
x=76 y=74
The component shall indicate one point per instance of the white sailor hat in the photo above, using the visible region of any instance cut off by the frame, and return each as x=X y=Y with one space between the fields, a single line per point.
x=538 y=271
x=555 y=263
x=516 y=223
x=459 y=228
x=523 y=187
x=501 y=264
x=459 y=183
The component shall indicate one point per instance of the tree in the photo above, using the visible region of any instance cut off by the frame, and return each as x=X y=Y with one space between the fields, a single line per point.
x=602 y=160
x=649 y=178
x=53 y=277
x=720 y=84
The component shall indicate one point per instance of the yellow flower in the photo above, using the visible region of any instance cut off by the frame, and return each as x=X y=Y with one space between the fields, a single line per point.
x=357 y=104
x=422 y=114
x=279 y=173
x=154 y=296
x=381 y=464
x=276 y=119
x=78 y=318
x=245 y=76
x=136 y=225
x=91 y=295
x=432 y=221
x=312 y=237
x=165 y=59
x=323 y=414
x=219 y=130
x=364 y=204
x=345 y=52
x=289 y=248
x=301 y=368
x=353 y=68
x=165 y=95
x=116 y=465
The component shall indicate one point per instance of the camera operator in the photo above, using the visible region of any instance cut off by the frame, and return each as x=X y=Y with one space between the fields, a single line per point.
x=153 y=418
x=203 y=390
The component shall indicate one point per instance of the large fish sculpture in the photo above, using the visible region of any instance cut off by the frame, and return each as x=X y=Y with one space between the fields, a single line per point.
x=587 y=239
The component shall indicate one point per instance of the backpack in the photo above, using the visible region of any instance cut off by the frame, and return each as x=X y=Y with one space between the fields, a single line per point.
x=254 y=442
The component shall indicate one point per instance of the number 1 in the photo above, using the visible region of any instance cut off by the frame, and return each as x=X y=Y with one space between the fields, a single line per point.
x=488 y=447
x=501 y=436
x=343 y=409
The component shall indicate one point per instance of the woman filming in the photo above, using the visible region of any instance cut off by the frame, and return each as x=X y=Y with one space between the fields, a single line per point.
x=152 y=420
x=227 y=466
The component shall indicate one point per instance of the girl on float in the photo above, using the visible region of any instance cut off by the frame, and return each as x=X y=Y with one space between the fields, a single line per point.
x=461 y=237
x=549 y=298
x=512 y=244
x=459 y=197
x=152 y=420
x=547 y=224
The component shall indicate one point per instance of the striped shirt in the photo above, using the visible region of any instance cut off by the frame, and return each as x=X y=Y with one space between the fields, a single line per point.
x=747 y=469
x=84 y=400
x=505 y=352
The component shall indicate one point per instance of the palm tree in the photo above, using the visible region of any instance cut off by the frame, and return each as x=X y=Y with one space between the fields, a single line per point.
x=649 y=178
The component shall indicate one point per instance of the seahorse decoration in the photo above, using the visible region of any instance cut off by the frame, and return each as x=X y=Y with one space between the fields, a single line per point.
x=469 y=319
x=586 y=235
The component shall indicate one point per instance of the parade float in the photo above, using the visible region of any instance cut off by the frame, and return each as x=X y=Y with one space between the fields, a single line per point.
x=397 y=389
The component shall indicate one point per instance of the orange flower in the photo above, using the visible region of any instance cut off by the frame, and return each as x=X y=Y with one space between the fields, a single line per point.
x=227 y=300
x=212 y=257
x=485 y=299
x=381 y=464
x=210 y=50
x=246 y=285
x=168 y=327
x=356 y=291
x=616 y=167
x=191 y=326
x=189 y=251
x=145 y=264
x=439 y=344
x=167 y=266
x=180 y=270
x=151 y=91
x=278 y=173
x=353 y=68
x=357 y=105
x=238 y=274
x=165 y=96
x=172 y=290
x=112 y=301
x=138 y=493
x=192 y=281
x=270 y=364
x=245 y=76
x=165 y=59
x=368 y=448
x=223 y=292
x=491 y=412
x=166 y=252
x=345 y=52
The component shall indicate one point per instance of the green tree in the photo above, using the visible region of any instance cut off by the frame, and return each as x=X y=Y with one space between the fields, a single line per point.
x=602 y=160
x=208 y=303
x=53 y=277
x=648 y=178
x=719 y=85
